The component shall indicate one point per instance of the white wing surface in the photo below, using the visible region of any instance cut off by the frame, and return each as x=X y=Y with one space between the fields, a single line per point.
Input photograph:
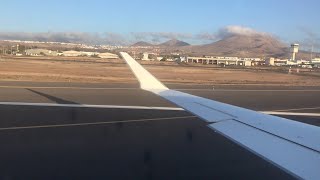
x=290 y=145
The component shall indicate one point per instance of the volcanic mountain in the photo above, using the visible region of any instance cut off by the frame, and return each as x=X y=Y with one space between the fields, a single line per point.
x=141 y=43
x=174 y=43
x=257 y=45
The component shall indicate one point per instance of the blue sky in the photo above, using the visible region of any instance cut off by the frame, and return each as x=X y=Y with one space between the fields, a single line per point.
x=292 y=20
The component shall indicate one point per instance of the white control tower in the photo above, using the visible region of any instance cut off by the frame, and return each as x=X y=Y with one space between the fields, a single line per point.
x=294 y=49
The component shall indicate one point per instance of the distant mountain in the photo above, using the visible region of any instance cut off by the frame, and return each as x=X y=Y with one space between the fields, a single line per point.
x=174 y=43
x=141 y=43
x=257 y=45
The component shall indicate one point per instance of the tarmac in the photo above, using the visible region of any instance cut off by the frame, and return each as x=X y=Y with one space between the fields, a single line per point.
x=50 y=131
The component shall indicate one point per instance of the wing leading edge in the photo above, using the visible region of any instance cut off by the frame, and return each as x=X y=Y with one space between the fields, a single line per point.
x=290 y=145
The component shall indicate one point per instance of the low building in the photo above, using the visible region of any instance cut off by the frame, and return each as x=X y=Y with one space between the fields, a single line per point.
x=159 y=58
x=215 y=60
x=247 y=63
x=316 y=60
x=72 y=53
x=108 y=56
x=145 y=57
x=181 y=59
x=41 y=52
x=149 y=56
x=303 y=61
x=280 y=62
x=270 y=62
x=79 y=53
x=89 y=53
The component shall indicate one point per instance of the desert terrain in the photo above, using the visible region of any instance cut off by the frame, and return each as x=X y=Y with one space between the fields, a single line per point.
x=91 y=70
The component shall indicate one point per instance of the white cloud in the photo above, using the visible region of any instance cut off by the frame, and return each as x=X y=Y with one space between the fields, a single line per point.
x=229 y=31
x=73 y=37
x=126 y=39
x=238 y=30
x=157 y=37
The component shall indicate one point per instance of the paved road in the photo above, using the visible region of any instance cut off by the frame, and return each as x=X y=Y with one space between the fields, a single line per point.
x=40 y=142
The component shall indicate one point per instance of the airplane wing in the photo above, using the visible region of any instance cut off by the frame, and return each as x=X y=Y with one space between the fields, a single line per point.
x=290 y=145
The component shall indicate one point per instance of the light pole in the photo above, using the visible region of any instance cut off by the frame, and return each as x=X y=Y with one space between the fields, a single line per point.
x=311 y=52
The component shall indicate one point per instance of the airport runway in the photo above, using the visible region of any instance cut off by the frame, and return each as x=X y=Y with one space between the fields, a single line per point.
x=131 y=134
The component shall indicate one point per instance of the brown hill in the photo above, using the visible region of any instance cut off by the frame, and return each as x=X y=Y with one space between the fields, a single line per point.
x=257 y=45
x=141 y=43
x=174 y=43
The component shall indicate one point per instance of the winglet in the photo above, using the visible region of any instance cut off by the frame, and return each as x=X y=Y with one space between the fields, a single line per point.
x=146 y=79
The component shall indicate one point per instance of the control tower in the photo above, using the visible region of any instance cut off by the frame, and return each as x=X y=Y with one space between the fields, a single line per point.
x=294 y=49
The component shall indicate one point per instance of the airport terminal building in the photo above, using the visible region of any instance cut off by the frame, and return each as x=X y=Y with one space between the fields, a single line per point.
x=224 y=60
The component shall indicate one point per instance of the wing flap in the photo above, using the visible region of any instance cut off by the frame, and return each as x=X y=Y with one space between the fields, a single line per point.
x=303 y=162
x=301 y=133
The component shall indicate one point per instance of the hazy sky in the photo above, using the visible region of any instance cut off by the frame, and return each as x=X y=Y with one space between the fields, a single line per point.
x=293 y=20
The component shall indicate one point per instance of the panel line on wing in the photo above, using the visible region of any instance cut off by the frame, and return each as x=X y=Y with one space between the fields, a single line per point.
x=276 y=135
x=216 y=110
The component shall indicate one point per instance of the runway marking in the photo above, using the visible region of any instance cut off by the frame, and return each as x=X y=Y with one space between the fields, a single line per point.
x=144 y=108
x=252 y=90
x=90 y=106
x=106 y=88
x=93 y=123
x=59 y=87
x=297 y=109
x=291 y=113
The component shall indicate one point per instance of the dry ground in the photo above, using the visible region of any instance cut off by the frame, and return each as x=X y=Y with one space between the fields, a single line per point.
x=104 y=71
x=63 y=70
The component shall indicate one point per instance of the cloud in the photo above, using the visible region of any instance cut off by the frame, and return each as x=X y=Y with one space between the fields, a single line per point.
x=157 y=37
x=94 y=38
x=238 y=30
x=71 y=37
x=127 y=39
x=229 y=31
x=206 y=36
x=308 y=32
x=115 y=39
x=311 y=39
